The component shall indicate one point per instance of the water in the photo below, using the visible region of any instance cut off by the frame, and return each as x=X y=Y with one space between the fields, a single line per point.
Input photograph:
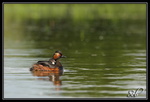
x=101 y=74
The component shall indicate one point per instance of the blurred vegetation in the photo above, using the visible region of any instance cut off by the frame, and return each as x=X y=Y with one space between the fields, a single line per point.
x=85 y=23
x=77 y=12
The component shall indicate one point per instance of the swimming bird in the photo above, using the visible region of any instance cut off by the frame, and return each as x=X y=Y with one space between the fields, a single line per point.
x=52 y=64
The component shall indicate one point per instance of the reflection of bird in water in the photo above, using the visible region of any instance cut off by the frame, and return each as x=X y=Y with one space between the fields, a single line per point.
x=56 y=81
x=53 y=77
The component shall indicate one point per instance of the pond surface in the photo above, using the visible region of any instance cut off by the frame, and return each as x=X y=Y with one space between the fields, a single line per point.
x=90 y=71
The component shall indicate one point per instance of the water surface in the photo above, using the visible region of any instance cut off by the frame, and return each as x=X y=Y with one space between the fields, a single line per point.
x=106 y=73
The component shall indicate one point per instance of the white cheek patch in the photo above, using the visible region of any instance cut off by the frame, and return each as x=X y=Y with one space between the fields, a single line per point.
x=53 y=62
